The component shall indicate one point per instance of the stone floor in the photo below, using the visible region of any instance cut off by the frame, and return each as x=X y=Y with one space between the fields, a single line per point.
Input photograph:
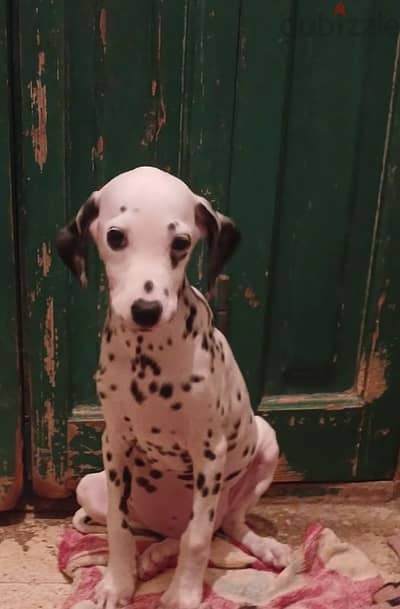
x=29 y=578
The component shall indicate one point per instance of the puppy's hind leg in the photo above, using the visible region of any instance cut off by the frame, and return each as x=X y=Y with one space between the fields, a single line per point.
x=247 y=493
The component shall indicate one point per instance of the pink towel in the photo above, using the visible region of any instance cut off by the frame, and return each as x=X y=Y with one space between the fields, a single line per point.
x=325 y=573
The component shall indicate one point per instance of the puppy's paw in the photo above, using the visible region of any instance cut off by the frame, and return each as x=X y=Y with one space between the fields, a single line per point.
x=181 y=598
x=274 y=553
x=113 y=591
x=156 y=557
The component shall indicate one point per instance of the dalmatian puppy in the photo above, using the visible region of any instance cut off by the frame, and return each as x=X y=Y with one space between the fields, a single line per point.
x=183 y=452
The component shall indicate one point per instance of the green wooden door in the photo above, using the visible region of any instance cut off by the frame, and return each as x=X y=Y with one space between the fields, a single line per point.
x=11 y=463
x=292 y=131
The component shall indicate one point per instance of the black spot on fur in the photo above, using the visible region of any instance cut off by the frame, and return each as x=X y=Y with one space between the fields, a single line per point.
x=204 y=343
x=239 y=396
x=218 y=476
x=204 y=491
x=138 y=350
x=186 y=386
x=176 y=406
x=128 y=343
x=190 y=319
x=196 y=378
x=169 y=342
x=150 y=346
x=216 y=489
x=211 y=515
x=155 y=430
x=112 y=474
x=185 y=476
x=153 y=387
x=210 y=433
x=111 y=357
x=127 y=419
x=113 y=387
x=209 y=454
x=232 y=446
x=166 y=390
x=155 y=473
x=124 y=524
x=108 y=456
x=122 y=208
x=127 y=480
x=137 y=394
x=140 y=339
x=146 y=484
x=233 y=475
x=200 y=481
x=146 y=361
x=108 y=334
x=102 y=395
x=246 y=451
x=139 y=462
x=237 y=424
x=129 y=452
x=148 y=286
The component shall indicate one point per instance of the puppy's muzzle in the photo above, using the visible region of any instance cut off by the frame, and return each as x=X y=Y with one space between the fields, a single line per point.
x=146 y=313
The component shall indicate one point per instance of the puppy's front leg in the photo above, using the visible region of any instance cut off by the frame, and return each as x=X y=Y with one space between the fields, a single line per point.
x=186 y=588
x=118 y=585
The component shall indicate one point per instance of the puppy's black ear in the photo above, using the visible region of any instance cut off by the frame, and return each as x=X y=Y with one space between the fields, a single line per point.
x=223 y=237
x=72 y=240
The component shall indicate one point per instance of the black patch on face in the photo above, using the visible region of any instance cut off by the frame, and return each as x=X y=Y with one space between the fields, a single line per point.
x=146 y=484
x=137 y=394
x=112 y=474
x=211 y=515
x=155 y=473
x=186 y=386
x=153 y=387
x=204 y=491
x=233 y=475
x=148 y=286
x=108 y=456
x=139 y=462
x=209 y=454
x=196 y=378
x=190 y=319
x=176 y=406
x=127 y=480
x=166 y=390
x=155 y=430
x=216 y=489
x=111 y=357
x=201 y=479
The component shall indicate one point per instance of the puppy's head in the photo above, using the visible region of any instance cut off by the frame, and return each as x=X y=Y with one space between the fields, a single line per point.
x=146 y=224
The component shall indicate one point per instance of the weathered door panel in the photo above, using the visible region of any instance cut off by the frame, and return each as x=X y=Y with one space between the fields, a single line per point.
x=11 y=460
x=312 y=176
x=284 y=132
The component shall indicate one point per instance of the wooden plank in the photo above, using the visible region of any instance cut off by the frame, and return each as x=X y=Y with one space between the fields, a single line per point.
x=42 y=210
x=264 y=64
x=11 y=459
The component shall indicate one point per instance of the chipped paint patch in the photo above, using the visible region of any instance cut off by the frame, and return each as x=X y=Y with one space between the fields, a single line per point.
x=44 y=259
x=376 y=383
x=251 y=298
x=97 y=152
x=103 y=28
x=285 y=473
x=50 y=343
x=38 y=95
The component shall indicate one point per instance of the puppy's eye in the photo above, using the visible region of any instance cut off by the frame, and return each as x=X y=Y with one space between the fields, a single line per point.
x=181 y=243
x=116 y=239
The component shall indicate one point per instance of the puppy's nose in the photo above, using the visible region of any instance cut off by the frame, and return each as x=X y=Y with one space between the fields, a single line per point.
x=146 y=313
